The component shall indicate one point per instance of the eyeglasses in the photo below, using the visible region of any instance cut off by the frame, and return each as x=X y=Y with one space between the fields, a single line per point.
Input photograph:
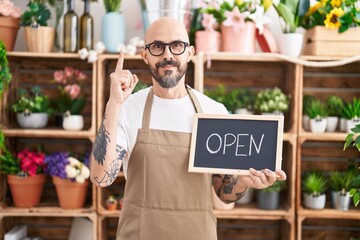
x=157 y=48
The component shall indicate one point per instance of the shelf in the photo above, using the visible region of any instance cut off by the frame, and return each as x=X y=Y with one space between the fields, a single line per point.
x=51 y=133
x=48 y=211
x=323 y=136
x=253 y=213
x=328 y=213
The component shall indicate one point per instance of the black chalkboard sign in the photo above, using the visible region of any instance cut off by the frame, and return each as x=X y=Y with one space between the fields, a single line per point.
x=231 y=144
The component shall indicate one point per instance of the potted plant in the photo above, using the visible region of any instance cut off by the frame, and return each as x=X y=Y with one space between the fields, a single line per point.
x=221 y=95
x=38 y=35
x=5 y=74
x=113 y=19
x=269 y=198
x=314 y=185
x=239 y=21
x=271 y=101
x=32 y=109
x=317 y=113
x=333 y=104
x=306 y=106
x=70 y=177
x=353 y=139
x=24 y=173
x=9 y=23
x=290 y=11
x=351 y=111
x=111 y=203
x=71 y=100
x=244 y=99
x=340 y=185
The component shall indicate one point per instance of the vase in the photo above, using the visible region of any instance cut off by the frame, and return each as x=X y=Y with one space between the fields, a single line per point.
x=290 y=44
x=60 y=10
x=70 y=194
x=113 y=31
x=241 y=40
x=26 y=191
x=32 y=120
x=8 y=31
x=73 y=122
x=39 y=39
x=207 y=41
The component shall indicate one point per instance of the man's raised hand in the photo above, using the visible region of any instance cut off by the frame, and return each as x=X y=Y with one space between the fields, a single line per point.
x=122 y=81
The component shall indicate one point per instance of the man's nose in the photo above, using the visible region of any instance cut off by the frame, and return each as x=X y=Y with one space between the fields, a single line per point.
x=167 y=53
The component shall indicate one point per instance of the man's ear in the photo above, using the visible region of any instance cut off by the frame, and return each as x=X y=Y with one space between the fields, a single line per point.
x=191 y=53
x=144 y=55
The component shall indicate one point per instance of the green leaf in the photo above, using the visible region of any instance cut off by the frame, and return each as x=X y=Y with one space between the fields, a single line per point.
x=356 y=199
x=348 y=140
x=285 y=12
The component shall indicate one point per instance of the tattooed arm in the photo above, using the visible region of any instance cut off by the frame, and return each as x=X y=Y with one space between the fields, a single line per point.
x=107 y=156
x=231 y=188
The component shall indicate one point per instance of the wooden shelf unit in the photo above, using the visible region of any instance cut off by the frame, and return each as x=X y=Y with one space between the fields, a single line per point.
x=257 y=72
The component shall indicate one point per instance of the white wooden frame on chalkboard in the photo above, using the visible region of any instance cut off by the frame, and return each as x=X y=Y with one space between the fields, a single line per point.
x=269 y=119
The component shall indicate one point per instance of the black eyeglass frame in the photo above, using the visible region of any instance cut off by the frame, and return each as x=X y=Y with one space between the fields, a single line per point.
x=147 y=46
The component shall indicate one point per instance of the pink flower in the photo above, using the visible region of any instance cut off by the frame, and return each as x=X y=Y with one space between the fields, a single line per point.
x=31 y=162
x=8 y=9
x=69 y=71
x=236 y=19
x=80 y=75
x=73 y=90
x=208 y=22
x=60 y=77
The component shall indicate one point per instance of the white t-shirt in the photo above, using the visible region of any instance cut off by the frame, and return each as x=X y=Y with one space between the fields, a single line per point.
x=166 y=114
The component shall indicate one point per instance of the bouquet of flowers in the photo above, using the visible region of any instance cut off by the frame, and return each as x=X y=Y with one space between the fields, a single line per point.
x=332 y=14
x=71 y=98
x=8 y=9
x=66 y=166
x=234 y=13
x=271 y=100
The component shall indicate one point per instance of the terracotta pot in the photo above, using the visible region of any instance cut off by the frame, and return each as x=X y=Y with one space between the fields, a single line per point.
x=26 y=191
x=8 y=31
x=70 y=194
x=241 y=40
x=207 y=41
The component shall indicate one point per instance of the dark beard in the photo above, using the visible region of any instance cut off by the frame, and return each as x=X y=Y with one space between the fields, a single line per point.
x=168 y=81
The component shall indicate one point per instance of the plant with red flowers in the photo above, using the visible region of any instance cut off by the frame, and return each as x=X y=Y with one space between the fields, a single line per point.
x=71 y=98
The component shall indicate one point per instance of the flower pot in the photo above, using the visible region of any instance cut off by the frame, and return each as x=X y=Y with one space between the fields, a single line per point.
x=71 y=194
x=351 y=124
x=32 y=120
x=220 y=205
x=9 y=27
x=241 y=40
x=306 y=122
x=207 y=41
x=73 y=122
x=318 y=126
x=268 y=200
x=341 y=201
x=111 y=204
x=247 y=198
x=290 y=44
x=332 y=123
x=26 y=191
x=40 y=39
x=314 y=202
x=113 y=31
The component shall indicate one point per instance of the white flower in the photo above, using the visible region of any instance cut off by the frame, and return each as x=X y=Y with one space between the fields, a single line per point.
x=83 y=53
x=73 y=161
x=85 y=171
x=80 y=179
x=92 y=56
x=260 y=18
x=120 y=47
x=130 y=50
x=100 y=47
x=71 y=172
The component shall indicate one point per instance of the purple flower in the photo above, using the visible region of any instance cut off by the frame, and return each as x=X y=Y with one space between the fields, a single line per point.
x=56 y=163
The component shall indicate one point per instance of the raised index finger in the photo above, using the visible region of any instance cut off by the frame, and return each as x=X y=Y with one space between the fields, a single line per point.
x=120 y=62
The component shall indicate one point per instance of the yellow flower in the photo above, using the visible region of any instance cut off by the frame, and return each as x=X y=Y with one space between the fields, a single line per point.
x=314 y=8
x=238 y=2
x=336 y=3
x=266 y=4
x=332 y=21
x=323 y=2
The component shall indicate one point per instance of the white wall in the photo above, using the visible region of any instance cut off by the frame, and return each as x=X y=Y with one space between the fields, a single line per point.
x=129 y=8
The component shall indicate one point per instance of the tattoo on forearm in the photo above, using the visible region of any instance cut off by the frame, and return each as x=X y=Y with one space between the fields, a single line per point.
x=229 y=185
x=101 y=144
x=110 y=176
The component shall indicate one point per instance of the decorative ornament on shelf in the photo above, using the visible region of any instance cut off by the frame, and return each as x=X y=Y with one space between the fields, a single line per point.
x=9 y=23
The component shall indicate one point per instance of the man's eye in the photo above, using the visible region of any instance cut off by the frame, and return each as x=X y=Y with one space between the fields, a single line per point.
x=157 y=45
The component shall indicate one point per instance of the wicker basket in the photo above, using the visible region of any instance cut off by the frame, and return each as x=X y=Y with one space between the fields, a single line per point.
x=40 y=39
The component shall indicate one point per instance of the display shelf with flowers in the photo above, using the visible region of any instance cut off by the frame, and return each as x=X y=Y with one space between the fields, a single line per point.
x=24 y=173
x=9 y=23
x=332 y=28
x=70 y=177
x=238 y=21
x=71 y=100
x=271 y=100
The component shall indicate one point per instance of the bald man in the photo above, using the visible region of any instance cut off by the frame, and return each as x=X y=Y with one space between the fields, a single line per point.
x=149 y=133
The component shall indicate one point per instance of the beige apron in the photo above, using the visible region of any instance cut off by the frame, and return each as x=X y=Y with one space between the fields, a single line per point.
x=163 y=201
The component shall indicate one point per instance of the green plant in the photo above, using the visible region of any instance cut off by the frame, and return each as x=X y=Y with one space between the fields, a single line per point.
x=276 y=187
x=307 y=99
x=244 y=98
x=340 y=15
x=314 y=183
x=291 y=12
x=37 y=13
x=334 y=104
x=112 y=5
x=351 y=110
x=221 y=95
x=341 y=181
x=353 y=139
x=316 y=109
x=5 y=74
x=9 y=163
x=271 y=100
x=35 y=102
x=140 y=86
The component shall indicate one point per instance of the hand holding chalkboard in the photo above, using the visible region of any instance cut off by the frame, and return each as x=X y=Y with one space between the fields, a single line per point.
x=232 y=144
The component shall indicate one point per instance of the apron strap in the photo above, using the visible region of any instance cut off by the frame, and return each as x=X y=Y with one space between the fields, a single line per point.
x=149 y=100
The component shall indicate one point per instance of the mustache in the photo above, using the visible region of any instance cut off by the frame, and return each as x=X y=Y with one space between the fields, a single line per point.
x=167 y=62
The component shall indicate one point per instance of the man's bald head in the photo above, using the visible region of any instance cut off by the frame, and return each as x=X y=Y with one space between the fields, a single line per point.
x=166 y=29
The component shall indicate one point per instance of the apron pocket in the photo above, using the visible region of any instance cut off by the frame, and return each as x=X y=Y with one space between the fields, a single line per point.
x=128 y=226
